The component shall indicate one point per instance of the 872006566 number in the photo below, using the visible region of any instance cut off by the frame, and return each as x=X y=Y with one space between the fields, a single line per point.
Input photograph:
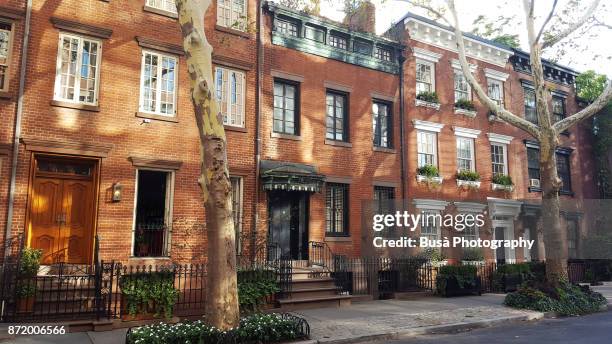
x=36 y=329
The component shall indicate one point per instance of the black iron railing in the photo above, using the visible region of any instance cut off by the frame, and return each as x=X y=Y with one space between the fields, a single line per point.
x=150 y=239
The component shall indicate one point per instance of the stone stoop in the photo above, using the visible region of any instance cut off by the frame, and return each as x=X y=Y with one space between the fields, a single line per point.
x=312 y=288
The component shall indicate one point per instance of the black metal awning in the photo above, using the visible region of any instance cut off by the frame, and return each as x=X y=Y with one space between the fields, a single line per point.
x=290 y=176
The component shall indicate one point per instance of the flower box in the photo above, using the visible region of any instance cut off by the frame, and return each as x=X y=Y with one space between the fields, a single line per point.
x=468 y=113
x=468 y=183
x=427 y=104
x=500 y=187
x=429 y=180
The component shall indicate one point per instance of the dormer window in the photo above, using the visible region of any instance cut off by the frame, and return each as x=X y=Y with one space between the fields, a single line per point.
x=338 y=41
x=315 y=33
x=383 y=53
x=287 y=27
x=362 y=47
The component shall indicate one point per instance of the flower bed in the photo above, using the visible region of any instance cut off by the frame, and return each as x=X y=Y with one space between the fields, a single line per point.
x=257 y=328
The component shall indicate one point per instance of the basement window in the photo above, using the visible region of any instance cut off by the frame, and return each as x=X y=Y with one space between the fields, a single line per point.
x=153 y=213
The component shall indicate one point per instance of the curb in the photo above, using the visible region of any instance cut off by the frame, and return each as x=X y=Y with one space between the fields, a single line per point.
x=435 y=329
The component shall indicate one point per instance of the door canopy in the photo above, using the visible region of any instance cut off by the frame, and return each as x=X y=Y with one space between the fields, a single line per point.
x=289 y=176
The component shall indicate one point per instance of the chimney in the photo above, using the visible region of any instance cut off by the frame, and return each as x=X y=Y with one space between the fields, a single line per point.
x=362 y=17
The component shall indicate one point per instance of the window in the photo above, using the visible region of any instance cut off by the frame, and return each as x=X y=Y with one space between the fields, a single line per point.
x=362 y=47
x=465 y=154
x=286 y=107
x=383 y=124
x=470 y=233
x=462 y=88
x=383 y=54
x=336 y=120
x=315 y=34
x=530 y=105
x=496 y=91
x=78 y=63
x=572 y=238
x=287 y=27
x=499 y=159
x=430 y=226
x=336 y=209
x=6 y=32
x=230 y=94
x=427 y=148
x=158 y=83
x=563 y=170
x=383 y=198
x=237 y=210
x=153 y=213
x=164 y=5
x=533 y=163
x=558 y=108
x=338 y=42
x=232 y=14
x=425 y=81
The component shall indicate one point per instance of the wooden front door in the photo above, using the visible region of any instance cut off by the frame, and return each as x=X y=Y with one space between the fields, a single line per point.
x=61 y=210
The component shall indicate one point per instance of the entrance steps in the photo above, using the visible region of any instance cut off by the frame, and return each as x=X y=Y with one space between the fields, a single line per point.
x=312 y=287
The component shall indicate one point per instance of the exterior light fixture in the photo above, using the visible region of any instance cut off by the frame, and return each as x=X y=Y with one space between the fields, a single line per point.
x=117 y=191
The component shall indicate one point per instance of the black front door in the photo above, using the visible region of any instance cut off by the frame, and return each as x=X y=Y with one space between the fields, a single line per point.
x=289 y=223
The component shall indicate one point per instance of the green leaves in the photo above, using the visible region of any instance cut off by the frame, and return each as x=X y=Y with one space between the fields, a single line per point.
x=428 y=171
x=468 y=175
x=502 y=179
x=254 y=286
x=30 y=262
x=143 y=290
x=430 y=97
x=465 y=104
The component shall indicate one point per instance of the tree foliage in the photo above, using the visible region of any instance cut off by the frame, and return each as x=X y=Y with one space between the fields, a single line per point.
x=494 y=30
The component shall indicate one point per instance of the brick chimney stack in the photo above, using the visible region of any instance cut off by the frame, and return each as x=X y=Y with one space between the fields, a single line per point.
x=363 y=18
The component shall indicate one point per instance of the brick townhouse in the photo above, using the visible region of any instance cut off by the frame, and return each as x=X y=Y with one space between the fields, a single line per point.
x=320 y=120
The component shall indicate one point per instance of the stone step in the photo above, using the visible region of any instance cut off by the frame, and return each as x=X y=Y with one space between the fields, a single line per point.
x=312 y=292
x=324 y=282
x=314 y=302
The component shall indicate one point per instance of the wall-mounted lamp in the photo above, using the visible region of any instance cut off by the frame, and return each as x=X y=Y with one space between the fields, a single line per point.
x=117 y=191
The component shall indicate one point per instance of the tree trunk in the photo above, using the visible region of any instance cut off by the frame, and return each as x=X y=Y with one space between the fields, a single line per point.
x=221 y=285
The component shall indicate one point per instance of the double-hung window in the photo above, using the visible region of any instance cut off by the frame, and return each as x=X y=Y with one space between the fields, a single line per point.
x=287 y=27
x=158 y=83
x=338 y=41
x=164 y=5
x=531 y=113
x=470 y=232
x=78 y=69
x=336 y=209
x=558 y=108
x=496 y=91
x=425 y=76
x=383 y=54
x=462 y=88
x=563 y=171
x=533 y=163
x=427 y=148
x=383 y=124
x=430 y=226
x=229 y=85
x=465 y=154
x=384 y=197
x=499 y=158
x=237 y=195
x=232 y=14
x=286 y=105
x=572 y=238
x=336 y=116
x=6 y=37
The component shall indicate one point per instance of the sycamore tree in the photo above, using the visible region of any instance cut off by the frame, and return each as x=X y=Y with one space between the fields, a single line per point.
x=221 y=285
x=555 y=27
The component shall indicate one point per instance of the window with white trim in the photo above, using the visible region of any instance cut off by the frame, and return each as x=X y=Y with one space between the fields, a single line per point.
x=430 y=225
x=425 y=76
x=496 y=91
x=427 y=149
x=237 y=195
x=158 y=83
x=78 y=64
x=462 y=88
x=164 y=5
x=465 y=154
x=499 y=158
x=470 y=232
x=230 y=94
x=6 y=37
x=232 y=14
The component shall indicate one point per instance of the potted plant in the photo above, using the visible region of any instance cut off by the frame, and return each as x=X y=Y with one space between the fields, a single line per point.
x=429 y=174
x=453 y=280
x=502 y=182
x=468 y=178
x=26 y=286
x=147 y=295
x=428 y=99
x=465 y=107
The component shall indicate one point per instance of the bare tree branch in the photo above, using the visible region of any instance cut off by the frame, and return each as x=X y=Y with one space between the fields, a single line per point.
x=572 y=27
x=550 y=15
x=597 y=22
x=592 y=109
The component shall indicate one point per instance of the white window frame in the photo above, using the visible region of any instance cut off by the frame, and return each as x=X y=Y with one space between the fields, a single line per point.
x=7 y=63
x=240 y=202
x=432 y=67
x=158 y=92
x=424 y=134
x=472 y=155
x=504 y=148
x=430 y=206
x=237 y=19
x=469 y=88
x=168 y=211
x=58 y=73
x=162 y=5
x=491 y=81
x=227 y=109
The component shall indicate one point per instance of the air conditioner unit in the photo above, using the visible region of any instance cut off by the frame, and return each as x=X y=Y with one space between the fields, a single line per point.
x=534 y=183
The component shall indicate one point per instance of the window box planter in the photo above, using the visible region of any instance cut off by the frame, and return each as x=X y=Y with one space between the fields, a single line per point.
x=500 y=187
x=429 y=180
x=419 y=102
x=467 y=113
x=475 y=184
x=473 y=262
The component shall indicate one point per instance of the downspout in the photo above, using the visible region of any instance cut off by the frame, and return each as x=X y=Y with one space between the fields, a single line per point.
x=17 y=134
x=402 y=129
x=258 y=81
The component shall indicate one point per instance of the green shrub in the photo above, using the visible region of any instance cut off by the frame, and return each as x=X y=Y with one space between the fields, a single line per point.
x=465 y=104
x=464 y=274
x=472 y=254
x=257 y=328
x=502 y=179
x=142 y=289
x=517 y=268
x=567 y=300
x=468 y=175
x=430 y=97
x=432 y=254
x=254 y=286
x=428 y=171
x=26 y=289
x=30 y=262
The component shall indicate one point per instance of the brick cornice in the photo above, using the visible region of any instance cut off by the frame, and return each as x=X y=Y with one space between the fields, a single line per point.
x=68 y=147
x=160 y=46
x=11 y=13
x=155 y=163
x=232 y=62
x=77 y=27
